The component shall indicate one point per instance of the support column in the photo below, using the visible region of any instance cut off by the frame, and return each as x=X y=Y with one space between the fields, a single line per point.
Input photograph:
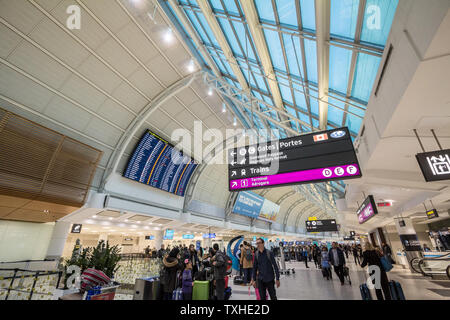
x=159 y=235
x=58 y=240
x=409 y=239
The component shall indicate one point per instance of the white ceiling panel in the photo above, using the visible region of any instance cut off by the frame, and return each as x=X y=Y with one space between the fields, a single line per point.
x=20 y=13
x=137 y=42
x=102 y=131
x=109 y=13
x=146 y=83
x=91 y=33
x=187 y=96
x=55 y=40
x=36 y=63
x=178 y=55
x=186 y=119
x=94 y=70
x=163 y=70
x=115 y=113
x=159 y=119
x=199 y=109
x=130 y=96
x=20 y=89
x=80 y=91
x=212 y=122
x=116 y=56
x=172 y=107
x=8 y=41
x=48 y=4
x=61 y=110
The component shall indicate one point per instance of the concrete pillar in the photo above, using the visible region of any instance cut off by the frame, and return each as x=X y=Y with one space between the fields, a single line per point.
x=409 y=239
x=159 y=235
x=58 y=240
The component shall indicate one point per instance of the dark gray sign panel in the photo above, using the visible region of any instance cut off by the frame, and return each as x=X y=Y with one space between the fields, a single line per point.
x=321 y=225
x=435 y=165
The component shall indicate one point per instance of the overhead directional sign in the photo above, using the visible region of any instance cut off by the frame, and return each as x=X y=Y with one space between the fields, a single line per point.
x=315 y=157
x=435 y=165
x=321 y=225
x=432 y=214
x=367 y=210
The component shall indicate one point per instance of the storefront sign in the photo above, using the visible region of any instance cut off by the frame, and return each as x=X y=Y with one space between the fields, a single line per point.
x=209 y=236
x=188 y=236
x=435 y=165
x=149 y=237
x=410 y=242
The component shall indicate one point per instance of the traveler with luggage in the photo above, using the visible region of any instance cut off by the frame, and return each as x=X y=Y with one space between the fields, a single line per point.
x=247 y=262
x=171 y=266
x=372 y=258
x=337 y=260
x=220 y=268
x=265 y=272
x=326 y=267
x=192 y=256
x=387 y=252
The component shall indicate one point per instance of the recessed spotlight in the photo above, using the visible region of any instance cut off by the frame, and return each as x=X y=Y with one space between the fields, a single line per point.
x=168 y=36
x=234 y=122
x=126 y=220
x=94 y=216
x=210 y=92
x=191 y=66
x=110 y=218
x=224 y=108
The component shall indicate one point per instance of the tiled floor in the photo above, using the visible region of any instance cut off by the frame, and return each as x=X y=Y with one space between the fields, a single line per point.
x=308 y=284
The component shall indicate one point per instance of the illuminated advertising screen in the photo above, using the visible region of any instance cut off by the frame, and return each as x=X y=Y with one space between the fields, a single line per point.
x=157 y=163
x=254 y=206
x=168 y=235
x=315 y=157
x=367 y=210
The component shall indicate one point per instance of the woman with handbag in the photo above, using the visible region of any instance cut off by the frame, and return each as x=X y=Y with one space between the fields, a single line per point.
x=372 y=257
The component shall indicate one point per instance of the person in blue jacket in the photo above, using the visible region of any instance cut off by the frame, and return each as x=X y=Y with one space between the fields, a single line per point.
x=187 y=282
x=337 y=260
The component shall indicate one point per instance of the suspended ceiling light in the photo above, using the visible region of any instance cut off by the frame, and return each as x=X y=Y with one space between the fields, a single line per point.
x=234 y=122
x=210 y=91
x=224 y=108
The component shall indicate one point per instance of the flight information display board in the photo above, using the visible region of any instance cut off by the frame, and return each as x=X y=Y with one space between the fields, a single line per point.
x=315 y=157
x=321 y=225
x=157 y=163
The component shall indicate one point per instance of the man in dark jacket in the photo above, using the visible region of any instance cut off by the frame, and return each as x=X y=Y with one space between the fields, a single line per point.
x=161 y=252
x=337 y=259
x=265 y=271
x=220 y=268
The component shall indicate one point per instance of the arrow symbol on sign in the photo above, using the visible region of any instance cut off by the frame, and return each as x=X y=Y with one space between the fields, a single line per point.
x=234 y=184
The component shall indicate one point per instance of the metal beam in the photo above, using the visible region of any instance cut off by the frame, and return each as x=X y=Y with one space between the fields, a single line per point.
x=351 y=76
x=323 y=57
x=285 y=196
x=221 y=39
x=300 y=214
x=251 y=15
x=288 y=213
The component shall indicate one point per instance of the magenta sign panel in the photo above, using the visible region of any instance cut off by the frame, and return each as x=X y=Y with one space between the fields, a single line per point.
x=296 y=177
x=367 y=210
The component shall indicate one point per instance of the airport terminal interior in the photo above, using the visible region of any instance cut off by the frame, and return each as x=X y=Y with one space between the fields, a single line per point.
x=155 y=149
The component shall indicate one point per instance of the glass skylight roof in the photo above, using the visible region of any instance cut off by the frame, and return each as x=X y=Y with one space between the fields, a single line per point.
x=358 y=31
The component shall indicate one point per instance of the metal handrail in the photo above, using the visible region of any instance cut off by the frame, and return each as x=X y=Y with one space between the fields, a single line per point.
x=418 y=263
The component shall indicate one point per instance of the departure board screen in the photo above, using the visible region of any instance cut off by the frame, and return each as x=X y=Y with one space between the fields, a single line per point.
x=155 y=162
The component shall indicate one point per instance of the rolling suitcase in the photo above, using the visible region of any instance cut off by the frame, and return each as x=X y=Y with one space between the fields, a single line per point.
x=227 y=293
x=396 y=290
x=365 y=292
x=200 y=290
x=177 y=294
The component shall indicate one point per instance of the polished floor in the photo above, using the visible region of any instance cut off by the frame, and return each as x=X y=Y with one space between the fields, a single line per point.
x=309 y=284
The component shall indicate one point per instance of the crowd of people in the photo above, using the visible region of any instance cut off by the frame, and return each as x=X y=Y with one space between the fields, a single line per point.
x=258 y=266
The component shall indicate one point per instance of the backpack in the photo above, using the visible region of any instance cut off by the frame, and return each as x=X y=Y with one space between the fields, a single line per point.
x=248 y=254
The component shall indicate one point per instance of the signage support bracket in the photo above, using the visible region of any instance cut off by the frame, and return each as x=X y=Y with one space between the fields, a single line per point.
x=418 y=139
x=437 y=140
